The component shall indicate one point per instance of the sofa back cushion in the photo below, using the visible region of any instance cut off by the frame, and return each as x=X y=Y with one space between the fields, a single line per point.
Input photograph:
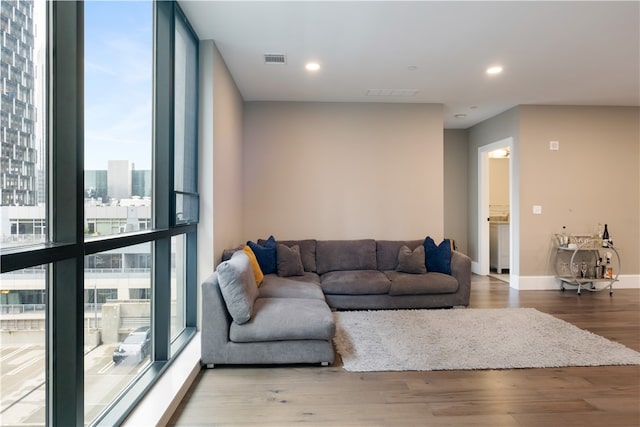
x=412 y=262
x=342 y=255
x=438 y=257
x=266 y=254
x=238 y=286
x=289 y=261
x=307 y=252
x=387 y=252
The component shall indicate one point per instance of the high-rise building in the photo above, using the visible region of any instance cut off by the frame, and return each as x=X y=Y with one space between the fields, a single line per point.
x=95 y=185
x=141 y=183
x=119 y=179
x=17 y=109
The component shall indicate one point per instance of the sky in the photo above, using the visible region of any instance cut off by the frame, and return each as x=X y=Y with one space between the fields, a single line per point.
x=118 y=83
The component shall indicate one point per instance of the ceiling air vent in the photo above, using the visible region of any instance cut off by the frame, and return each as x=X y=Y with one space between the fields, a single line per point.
x=392 y=92
x=275 y=58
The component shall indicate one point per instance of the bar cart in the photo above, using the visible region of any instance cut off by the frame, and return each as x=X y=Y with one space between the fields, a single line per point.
x=583 y=263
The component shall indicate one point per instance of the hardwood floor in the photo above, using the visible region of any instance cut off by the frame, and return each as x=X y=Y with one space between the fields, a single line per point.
x=316 y=396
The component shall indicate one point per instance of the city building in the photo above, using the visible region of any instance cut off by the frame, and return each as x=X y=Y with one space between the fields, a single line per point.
x=95 y=185
x=17 y=110
x=141 y=181
x=119 y=179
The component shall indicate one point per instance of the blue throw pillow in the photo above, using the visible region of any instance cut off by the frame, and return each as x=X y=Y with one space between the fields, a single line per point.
x=438 y=258
x=266 y=255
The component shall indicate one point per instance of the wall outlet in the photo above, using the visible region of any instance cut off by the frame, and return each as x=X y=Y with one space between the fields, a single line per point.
x=537 y=209
x=554 y=145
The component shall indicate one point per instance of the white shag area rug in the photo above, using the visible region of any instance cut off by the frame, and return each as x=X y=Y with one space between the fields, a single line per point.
x=505 y=338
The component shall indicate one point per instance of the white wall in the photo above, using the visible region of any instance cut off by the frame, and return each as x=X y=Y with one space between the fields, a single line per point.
x=205 y=161
x=220 y=160
x=343 y=171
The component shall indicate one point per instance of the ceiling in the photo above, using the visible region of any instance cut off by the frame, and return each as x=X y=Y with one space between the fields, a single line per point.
x=553 y=53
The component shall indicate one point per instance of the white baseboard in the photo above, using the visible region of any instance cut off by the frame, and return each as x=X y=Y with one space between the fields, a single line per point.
x=539 y=283
x=475 y=269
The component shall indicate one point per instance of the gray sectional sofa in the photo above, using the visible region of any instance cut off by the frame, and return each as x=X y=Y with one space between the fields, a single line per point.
x=287 y=319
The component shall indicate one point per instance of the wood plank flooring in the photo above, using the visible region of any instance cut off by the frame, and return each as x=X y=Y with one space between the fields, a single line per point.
x=316 y=396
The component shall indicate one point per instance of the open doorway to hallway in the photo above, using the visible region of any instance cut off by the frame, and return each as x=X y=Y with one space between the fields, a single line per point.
x=499 y=213
x=496 y=198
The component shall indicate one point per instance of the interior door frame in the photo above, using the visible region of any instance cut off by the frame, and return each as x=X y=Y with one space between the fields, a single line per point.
x=483 y=210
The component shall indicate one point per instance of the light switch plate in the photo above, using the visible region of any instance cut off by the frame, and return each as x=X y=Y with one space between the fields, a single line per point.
x=537 y=209
x=554 y=145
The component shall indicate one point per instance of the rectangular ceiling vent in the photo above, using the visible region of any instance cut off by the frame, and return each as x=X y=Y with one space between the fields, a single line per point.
x=393 y=92
x=275 y=58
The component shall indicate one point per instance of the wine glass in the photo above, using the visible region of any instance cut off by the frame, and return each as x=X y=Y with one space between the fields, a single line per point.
x=583 y=269
x=575 y=268
x=565 y=269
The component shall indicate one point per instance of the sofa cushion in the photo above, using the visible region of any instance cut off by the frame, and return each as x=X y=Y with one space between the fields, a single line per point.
x=412 y=262
x=289 y=261
x=255 y=267
x=307 y=252
x=308 y=277
x=280 y=319
x=438 y=257
x=420 y=284
x=275 y=286
x=238 y=286
x=355 y=282
x=342 y=255
x=266 y=255
x=387 y=252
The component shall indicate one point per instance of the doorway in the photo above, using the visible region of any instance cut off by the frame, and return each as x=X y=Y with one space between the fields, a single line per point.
x=501 y=215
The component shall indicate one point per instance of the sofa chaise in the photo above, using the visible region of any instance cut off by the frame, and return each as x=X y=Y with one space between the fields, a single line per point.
x=283 y=321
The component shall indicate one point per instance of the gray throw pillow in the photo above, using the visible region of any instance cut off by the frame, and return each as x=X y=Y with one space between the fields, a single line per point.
x=411 y=261
x=238 y=286
x=289 y=261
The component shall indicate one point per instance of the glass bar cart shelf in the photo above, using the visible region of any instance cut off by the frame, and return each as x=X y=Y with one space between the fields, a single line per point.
x=576 y=264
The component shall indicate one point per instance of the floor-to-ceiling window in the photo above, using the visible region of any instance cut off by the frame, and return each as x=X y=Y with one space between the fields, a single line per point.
x=98 y=229
x=23 y=212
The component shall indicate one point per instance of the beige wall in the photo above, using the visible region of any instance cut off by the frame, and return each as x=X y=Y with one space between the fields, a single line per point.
x=343 y=171
x=456 y=155
x=500 y=127
x=592 y=178
x=499 y=182
x=220 y=160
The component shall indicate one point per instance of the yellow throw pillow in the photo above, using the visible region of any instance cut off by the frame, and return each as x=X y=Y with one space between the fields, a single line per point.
x=257 y=272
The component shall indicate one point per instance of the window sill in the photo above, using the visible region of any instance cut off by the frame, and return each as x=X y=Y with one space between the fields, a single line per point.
x=162 y=400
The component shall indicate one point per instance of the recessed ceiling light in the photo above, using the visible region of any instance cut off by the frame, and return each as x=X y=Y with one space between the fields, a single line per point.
x=496 y=69
x=312 y=66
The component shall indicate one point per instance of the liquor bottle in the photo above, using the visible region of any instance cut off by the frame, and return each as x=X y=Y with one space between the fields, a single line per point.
x=605 y=237
x=608 y=271
x=564 y=238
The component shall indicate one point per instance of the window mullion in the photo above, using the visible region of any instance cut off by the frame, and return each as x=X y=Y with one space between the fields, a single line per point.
x=191 y=281
x=163 y=175
x=65 y=311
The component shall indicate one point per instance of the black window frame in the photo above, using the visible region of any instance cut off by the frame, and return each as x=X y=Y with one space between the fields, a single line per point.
x=66 y=248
